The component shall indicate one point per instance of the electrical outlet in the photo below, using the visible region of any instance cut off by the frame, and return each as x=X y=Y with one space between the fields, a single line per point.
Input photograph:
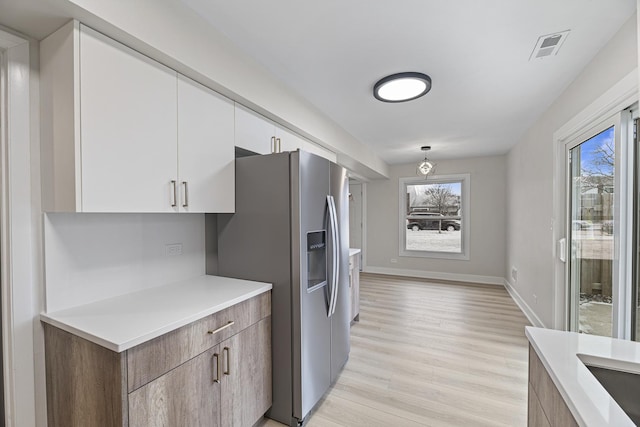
x=514 y=274
x=535 y=299
x=393 y=260
x=174 y=249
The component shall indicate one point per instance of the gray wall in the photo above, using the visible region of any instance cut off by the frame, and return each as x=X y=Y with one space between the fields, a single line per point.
x=488 y=223
x=530 y=165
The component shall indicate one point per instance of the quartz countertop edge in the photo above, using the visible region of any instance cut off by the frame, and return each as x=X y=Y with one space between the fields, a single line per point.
x=125 y=321
x=589 y=402
x=354 y=251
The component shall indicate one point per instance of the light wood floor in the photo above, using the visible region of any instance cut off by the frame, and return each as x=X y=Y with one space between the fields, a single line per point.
x=428 y=353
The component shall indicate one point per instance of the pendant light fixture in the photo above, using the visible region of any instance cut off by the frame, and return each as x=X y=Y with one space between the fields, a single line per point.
x=425 y=167
x=402 y=87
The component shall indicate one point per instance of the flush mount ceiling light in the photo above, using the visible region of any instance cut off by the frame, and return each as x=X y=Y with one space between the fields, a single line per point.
x=402 y=87
x=425 y=167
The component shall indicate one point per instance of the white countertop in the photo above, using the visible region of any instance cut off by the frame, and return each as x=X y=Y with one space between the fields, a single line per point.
x=561 y=353
x=353 y=251
x=128 y=320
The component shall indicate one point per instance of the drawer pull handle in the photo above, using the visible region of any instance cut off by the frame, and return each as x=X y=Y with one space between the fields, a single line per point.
x=221 y=328
x=216 y=367
x=227 y=370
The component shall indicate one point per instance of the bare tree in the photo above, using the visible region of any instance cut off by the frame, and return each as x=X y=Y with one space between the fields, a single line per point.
x=441 y=197
x=599 y=171
x=602 y=161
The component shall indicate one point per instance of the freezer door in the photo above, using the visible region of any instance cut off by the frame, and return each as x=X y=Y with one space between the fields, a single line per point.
x=340 y=330
x=310 y=184
x=255 y=244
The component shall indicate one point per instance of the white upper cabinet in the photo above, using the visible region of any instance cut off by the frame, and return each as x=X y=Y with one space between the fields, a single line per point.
x=205 y=149
x=319 y=151
x=254 y=132
x=128 y=128
x=121 y=132
x=290 y=141
x=287 y=140
x=260 y=135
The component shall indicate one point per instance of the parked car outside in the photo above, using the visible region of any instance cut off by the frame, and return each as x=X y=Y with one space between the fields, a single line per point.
x=580 y=224
x=431 y=221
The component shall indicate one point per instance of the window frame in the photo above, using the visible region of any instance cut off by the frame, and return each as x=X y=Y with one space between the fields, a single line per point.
x=465 y=180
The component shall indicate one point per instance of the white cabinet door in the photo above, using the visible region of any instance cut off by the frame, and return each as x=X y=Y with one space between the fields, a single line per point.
x=253 y=132
x=319 y=151
x=205 y=149
x=287 y=140
x=129 y=128
x=256 y=133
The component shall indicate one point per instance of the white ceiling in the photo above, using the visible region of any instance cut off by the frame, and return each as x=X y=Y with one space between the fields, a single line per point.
x=486 y=93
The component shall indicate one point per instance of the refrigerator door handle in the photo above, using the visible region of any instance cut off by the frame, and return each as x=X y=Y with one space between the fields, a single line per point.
x=333 y=217
x=331 y=282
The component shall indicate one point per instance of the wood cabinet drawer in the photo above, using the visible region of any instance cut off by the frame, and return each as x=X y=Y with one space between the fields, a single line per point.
x=154 y=358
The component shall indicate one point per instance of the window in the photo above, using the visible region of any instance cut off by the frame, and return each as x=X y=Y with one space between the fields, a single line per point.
x=434 y=216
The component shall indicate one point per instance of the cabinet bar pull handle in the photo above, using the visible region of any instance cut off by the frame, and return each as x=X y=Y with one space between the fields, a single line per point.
x=216 y=367
x=273 y=144
x=173 y=194
x=185 y=195
x=221 y=328
x=226 y=352
x=279 y=145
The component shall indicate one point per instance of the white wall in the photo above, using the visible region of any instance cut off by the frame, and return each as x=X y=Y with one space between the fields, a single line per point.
x=530 y=165
x=487 y=226
x=89 y=257
x=23 y=347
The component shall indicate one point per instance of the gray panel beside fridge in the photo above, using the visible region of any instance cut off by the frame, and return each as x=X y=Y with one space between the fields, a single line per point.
x=291 y=229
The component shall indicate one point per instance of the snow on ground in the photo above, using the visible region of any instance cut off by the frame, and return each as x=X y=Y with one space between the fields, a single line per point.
x=432 y=240
x=595 y=318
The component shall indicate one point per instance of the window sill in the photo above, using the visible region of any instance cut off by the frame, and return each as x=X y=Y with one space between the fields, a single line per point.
x=460 y=256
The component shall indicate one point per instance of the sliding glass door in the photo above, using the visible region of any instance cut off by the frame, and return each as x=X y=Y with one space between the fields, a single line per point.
x=592 y=189
x=602 y=222
x=635 y=293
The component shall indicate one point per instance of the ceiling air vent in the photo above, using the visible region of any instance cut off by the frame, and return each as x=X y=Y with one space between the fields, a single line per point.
x=549 y=45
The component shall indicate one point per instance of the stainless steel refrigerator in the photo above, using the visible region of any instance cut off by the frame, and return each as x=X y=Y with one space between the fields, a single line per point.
x=290 y=228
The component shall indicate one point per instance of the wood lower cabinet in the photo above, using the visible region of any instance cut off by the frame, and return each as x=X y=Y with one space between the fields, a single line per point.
x=188 y=395
x=546 y=406
x=225 y=386
x=215 y=371
x=86 y=383
x=246 y=390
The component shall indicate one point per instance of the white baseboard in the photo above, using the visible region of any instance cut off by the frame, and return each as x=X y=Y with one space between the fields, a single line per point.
x=524 y=307
x=471 y=278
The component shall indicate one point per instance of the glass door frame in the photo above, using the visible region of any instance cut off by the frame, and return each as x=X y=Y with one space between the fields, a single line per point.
x=618 y=97
x=623 y=220
x=628 y=218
